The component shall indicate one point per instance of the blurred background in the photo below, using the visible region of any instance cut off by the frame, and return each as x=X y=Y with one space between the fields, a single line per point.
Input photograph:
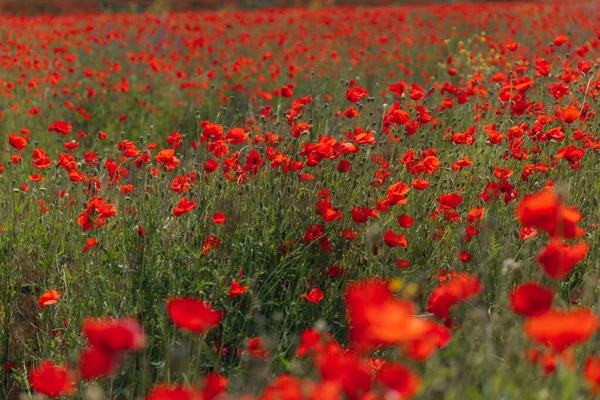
x=25 y=7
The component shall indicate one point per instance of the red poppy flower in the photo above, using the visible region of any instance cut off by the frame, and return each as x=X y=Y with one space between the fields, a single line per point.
x=184 y=206
x=405 y=221
x=72 y=145
x=399 y=379
x=591 y=372
x=210 y=242
x=192 y=314
x=465 y=162
x=460 y=288
x=475 y=214
x=448 y=201
x=52 y=380
x=377 y=318
x=558 y=258
x=174 y=139
x=393 y=239
x=167 y=159
x=211 y=166
x=346 y=370
x=214 y=386
x=236 y=289
x=531 y=299
x=114 y=335
x=544 y=210
x=283 y=387
x=356 y=93
x=60 y=127
x=172 y=392
x=396 y=193
x=219 y=218
x=95 y=362
x=49 y=298
x=560 y=330
x=420 y=184
x=420 y=349
x=344 y=166
x=464 y=256
x=256 y=347
x=89 y=243
x=17 y=141
x=362 y=214
x=314 y=296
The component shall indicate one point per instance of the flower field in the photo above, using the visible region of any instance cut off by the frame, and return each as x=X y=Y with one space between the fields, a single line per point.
x=384 y=202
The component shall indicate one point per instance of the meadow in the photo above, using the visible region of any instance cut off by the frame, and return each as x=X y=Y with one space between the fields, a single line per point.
x=388 y=202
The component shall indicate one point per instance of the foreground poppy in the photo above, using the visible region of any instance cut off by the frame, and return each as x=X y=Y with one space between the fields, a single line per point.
x=95 y=362
x=112 y=335
x=420 y=349
x=591 y=372
x=346 y=369
x=447 y=295
x=192 y=314
x=376 y=318
x=399 y=379
x=172 y=392
x=52 y=380
x=531 y=299
x=560 y=330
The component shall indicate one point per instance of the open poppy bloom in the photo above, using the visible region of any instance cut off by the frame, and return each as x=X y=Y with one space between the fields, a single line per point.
x=560 y=330
x=49 y=298
x=236 y=289
x=178 y=392
x=184 y=206
x=558 y=259
x=60 y=127
x=192 y=314
x=377 y=318
x=314 y=296
x=531 y=299
x=219 y=218
x=447 y=295
x=399 y=379
x=95 y=362
x=544 y=210
x=591 y=372
x=420 y=349
x=356 y=93
x=112 y=335
x=448 y=201
x=167 y=159
x=52 y=380
x=17 y=141
x=393 y=239
x=405 y=221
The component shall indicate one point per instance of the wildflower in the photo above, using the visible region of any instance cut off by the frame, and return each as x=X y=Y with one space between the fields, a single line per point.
x=52 y=380
x=49 y=298
x=192 y=314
